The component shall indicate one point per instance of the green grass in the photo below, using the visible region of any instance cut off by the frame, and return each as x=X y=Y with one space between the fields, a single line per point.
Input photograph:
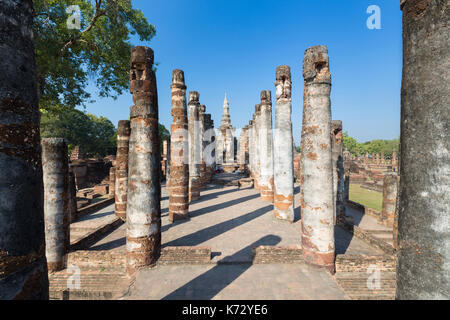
x=368 y=198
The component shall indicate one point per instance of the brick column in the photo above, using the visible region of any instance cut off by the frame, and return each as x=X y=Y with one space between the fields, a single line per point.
x=179 y=172
x=266 y=151
x=209 y=147
x=112 y=182
x=121 y=184
x=55 y=167
x=144 y=184
x=251 y=146
x=23 y=267
x=390 y=189
x=201 y=134
x=73 y=210
x=257 y=137
x=317 y=207
x=423 y=228
x=338 y=167
x=194 y=146
x=283 y=159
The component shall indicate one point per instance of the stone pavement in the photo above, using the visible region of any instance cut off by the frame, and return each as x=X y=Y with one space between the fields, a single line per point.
x=229 y=220
x=232 y=221
x=235 y=282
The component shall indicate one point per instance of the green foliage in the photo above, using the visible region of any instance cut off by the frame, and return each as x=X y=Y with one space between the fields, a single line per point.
x=95 y=135
x=374 y=146
x=67 y=59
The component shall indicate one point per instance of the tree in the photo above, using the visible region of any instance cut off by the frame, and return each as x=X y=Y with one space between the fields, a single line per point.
x=95 y=135
x=373 y=146
x=100 y=50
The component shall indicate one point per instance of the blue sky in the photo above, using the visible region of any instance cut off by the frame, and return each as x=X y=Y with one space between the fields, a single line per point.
x=235 y=46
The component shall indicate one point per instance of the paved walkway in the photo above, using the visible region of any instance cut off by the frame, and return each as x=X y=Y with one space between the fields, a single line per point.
x=235 y=282
x=230 y=221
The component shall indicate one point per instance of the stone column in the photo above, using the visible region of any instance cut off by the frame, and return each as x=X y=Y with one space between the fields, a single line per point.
x=201 y=134
x=164 y=160
x=317 y=207
x=390 y=189
x=250 y=148
x=112 y=182
x=55 y=167
x=423 y=270
x=73 y=210
x=338 y=167
x=209 y=147
x=394 y=159
x=144 y=184
x=179 y=167
x=283 y=159
x=266 y=152
x=121 y=184
x=347 y=187
x=194 y=146
x=257 y=137
x=23 y=267
x=243 y=139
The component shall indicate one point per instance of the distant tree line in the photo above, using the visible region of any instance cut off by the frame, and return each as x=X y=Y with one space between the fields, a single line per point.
x=373 y=146
x=97 y=136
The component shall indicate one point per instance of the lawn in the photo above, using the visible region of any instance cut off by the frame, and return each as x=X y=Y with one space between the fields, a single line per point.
x=368 y=198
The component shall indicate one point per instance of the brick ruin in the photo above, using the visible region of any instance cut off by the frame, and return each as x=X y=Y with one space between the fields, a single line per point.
x=37 y=243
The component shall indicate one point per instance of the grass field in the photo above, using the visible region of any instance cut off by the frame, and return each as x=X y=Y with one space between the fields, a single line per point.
x=368 y=198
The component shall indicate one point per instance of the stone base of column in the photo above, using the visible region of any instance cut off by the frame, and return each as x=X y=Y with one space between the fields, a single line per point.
x=283 y=207
x=144 y=252
x=121 y=210
x=178 y=208
x=323 y=260
x=256 y=182
x=267 y=192
x=194 y=188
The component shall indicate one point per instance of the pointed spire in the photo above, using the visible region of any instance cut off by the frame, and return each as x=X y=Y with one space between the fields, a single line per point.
x=225 y=101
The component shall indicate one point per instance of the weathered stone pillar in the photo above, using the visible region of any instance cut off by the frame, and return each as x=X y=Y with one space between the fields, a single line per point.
x=251 y=146
x=390 y=189
x=112 y=182
x=179 y=144
x=121 y=184
x=144 y=184
x=164 y=160
x=194 y=146
x=283 y=158
x=73 y=210
x=208 y=154
x=266 y=151
x=338 y=167
x=201 y=134
x=243 y=143
x=423 y=270
x=366 y=159
x=347 y=187
x=394 y=159
x=317 y=207
x=55 y=165
x=257 y=136
x=23 y=267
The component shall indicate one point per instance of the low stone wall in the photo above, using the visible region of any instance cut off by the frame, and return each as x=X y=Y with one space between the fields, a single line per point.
x=185 y=255
x=277 y=254
x=362 y=263
x=93 y=259
x=365 y=277
x=94 y=235
x=372 y=186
